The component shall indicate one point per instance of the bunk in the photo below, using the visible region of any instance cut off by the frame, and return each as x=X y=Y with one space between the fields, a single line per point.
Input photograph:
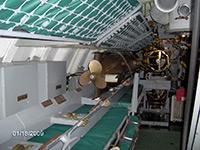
x=108 y=24
x=68 y=120
x=101 y=133
x=117 y=127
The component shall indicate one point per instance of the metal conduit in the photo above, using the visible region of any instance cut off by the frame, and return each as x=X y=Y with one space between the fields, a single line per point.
x=192 y=70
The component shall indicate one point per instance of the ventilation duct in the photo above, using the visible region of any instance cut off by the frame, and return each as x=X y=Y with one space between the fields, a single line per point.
x=175 y=13
x=158 y=16
x=166 y=6
x=161 y=10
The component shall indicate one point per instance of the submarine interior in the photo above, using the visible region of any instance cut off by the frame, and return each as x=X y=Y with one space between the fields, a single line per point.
x=99 y=75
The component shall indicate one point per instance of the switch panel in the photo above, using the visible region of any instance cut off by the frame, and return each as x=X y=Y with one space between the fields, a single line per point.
x=180 y=17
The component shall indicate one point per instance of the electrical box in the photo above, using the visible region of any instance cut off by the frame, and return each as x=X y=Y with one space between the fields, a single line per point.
x=18 y=88
x=51 y=79
x=24 y=85
x=180 y=17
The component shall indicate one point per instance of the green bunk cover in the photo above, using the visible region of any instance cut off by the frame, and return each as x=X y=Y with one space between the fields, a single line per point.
x=100 y=134
x=77 y=19
x=130 y=133
x=57 y=128
x=129 y=92
x=50 y=132
x=109 y=23
x=126 y=99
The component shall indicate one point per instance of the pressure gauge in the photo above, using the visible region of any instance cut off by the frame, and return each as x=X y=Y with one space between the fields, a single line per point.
x=184 y=10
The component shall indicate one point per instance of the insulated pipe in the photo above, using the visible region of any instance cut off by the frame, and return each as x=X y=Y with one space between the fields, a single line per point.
x=166 y=6
x=162 y=8
x=192 y=70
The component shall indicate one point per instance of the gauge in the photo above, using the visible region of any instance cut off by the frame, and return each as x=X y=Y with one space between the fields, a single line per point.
x=184 y=10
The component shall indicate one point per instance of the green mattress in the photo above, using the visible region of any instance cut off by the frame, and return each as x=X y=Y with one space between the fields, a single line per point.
x=77 y=19
x=57 y=128
x=99 y=135
x=126 y=98
x=50 y=132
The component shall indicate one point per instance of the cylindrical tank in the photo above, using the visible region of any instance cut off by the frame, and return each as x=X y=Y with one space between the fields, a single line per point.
x=166 y=6
x=162 y=8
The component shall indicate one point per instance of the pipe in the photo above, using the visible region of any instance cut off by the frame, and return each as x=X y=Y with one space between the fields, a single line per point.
x=161 y=9
x=166 y=6
x=192 y=70
x=128 y=66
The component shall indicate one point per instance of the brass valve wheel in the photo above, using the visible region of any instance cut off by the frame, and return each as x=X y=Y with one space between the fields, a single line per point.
x=158 y=60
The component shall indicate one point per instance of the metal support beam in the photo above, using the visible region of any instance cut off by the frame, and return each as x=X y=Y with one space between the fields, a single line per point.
x=192 y=70
x=194 y=132
x=134 y=99
x=22 y=35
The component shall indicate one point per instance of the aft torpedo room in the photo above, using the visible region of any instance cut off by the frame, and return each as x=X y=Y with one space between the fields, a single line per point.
x=99 y=74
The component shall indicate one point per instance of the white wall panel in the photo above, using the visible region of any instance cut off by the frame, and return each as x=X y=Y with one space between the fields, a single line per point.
x=60 y=55
x=22 y=54
x=5 y=44
x=18 y=87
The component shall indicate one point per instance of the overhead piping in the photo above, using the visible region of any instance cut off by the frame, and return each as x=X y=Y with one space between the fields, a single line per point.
x=162 y=8
x=129 y=68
